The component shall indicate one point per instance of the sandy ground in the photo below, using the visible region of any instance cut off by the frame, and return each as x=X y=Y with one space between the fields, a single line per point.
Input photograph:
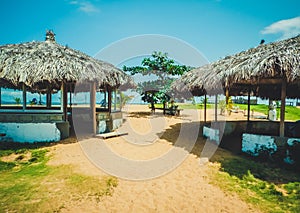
x=185 y=188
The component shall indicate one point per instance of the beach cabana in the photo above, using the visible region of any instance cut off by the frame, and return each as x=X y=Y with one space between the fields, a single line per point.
x=48 y=68
x=269 y=71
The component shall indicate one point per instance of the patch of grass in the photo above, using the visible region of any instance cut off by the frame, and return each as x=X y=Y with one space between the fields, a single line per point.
x=187 y=106
x=35 y=186
x=4 y=166
x=291 y=113
x=268 y=188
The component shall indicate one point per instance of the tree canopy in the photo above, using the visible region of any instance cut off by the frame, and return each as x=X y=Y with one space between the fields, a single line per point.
x=160 y=65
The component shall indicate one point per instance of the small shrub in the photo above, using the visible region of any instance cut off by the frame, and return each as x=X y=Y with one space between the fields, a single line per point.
x=5 y=166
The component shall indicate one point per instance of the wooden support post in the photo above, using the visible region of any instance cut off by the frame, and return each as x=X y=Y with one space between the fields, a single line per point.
x=70 y=95
x=40 y=99
x=0 y=97
x=205 y=102
x=121 y=104
x=24 y=96
x=248 y=109
x=93 y=106
x=115 y=99
x=282 y=108
x=227 y=95
x=48 y=98
x=109 y=99
x=64 y=101
x=216 y=108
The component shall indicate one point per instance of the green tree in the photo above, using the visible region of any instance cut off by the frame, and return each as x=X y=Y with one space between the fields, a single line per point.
x=160 y=65
x=125 y=99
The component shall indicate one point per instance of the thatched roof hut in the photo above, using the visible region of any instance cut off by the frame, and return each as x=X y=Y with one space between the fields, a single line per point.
x=38 y=63
x=263 y=68
x=268 y=70
x=258 y=68
x=191 y=82
x=48 y=67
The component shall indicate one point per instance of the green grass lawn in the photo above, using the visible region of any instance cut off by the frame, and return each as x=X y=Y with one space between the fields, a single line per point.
x=291 y=113
x=28 y=184
x=265 y=186
x=187 y=106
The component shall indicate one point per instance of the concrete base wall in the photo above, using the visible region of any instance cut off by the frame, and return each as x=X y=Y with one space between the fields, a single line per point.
x=115 y=121
x=211 y=134
x=255 y=127
x=258 y=138
x=257 y=145
x=33 y=132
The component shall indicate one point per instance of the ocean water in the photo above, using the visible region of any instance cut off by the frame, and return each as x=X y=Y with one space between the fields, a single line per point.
x=8 y=97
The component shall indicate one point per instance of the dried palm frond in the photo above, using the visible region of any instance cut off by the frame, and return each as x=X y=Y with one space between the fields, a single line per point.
x=37 y=63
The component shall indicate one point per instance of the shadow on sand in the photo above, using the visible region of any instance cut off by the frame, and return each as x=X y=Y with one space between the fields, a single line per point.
x=231 y=159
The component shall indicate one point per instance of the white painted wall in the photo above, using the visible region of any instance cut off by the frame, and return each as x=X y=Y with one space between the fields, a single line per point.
x=117 y=123
x=29 y=132
x=293 y=141
x=102 y=126
x=212 y=134
x=252 y=144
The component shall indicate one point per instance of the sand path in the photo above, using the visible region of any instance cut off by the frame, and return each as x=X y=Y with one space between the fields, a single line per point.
x=186 y=188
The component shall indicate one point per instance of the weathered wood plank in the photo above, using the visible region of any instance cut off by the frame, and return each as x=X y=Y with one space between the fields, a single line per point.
x=110 y=135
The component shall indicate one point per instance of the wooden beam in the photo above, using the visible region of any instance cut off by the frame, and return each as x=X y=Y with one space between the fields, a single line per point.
x=93 y=106
x=282 y=107
x=115 y=99
x=24 y=96
x=227 y=95
x=109 y=98
x=216 y=108
x=64 y=101
x=48 y=97
x=248 y=109
x=70 y=95
x=205 y=102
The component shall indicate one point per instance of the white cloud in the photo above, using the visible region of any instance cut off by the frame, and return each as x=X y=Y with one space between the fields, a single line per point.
x=85 y=6
x=288 y=28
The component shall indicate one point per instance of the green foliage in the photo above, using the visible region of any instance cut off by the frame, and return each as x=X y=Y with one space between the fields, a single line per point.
x=18 y=101
x=4 y=166
x=291 y=113
x=271 y=189
x=222 y=106
x=229 y=104
x=125 y=99
x=161 y=66
x=32 y=185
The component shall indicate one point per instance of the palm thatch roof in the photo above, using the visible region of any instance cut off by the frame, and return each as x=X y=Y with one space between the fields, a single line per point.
x=279 y=59
x=260 y=69
x=192 y=82
x=38 y=63
x=263 y=69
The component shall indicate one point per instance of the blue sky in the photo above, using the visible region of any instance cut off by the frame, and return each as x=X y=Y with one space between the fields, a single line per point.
x=215 y=27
